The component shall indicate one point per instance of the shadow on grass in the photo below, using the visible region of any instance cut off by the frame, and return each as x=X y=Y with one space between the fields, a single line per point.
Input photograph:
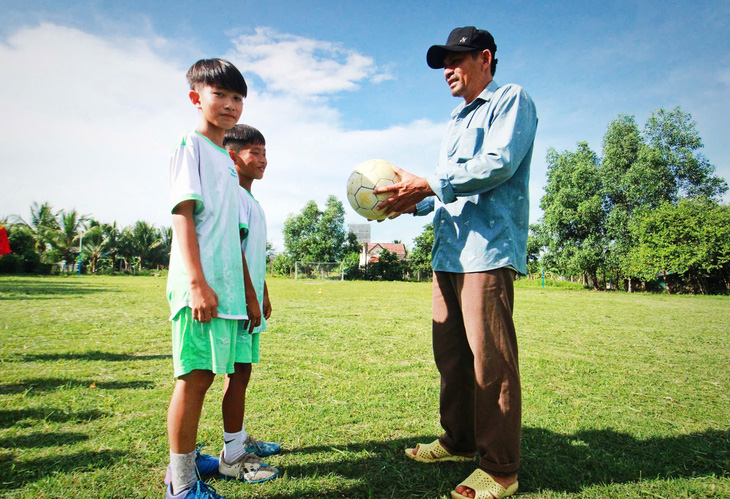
x=44 y=385
x=9 y=418
x=42 y=289
x=88 y=356
x=21 y=473
x=42 y=439
x=550 y=461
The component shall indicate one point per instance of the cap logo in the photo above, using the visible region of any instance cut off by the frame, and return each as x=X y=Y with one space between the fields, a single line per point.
x=463 y=39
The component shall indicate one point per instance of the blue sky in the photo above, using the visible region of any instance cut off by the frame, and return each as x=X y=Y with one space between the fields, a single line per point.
x=96 y=95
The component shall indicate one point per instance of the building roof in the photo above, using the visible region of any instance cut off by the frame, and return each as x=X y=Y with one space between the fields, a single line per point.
x=397 y=248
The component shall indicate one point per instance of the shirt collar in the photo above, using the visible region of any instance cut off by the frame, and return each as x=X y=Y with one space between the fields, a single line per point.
x=484 y=96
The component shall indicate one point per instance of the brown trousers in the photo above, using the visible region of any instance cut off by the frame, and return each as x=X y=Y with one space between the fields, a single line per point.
x=475 y=348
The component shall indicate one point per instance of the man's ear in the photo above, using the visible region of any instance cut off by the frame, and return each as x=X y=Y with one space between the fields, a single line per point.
x=487 y=57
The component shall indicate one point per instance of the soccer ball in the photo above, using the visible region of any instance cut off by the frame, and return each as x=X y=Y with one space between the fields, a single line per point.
x=366 y=177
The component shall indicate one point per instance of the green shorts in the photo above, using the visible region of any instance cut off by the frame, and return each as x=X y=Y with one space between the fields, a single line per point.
x=209 y=346
x=247 y=345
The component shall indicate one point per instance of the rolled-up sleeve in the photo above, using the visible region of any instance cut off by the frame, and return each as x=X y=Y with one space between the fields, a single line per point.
x=424 y=207
x=490 y=150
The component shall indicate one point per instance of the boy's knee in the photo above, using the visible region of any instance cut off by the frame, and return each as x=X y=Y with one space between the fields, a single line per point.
x=198 y=380
x=241 y=374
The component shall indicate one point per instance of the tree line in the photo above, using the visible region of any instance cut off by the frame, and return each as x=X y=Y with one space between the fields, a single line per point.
x=646 y=213
x=315 y=235
x=51 y=239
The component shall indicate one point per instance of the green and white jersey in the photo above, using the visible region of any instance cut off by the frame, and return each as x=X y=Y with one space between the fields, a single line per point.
x=203 y=172
x=254 y=245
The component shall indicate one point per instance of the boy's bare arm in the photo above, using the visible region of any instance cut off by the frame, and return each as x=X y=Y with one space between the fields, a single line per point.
x=253 y=309
x=203 y=300
x=267 y=303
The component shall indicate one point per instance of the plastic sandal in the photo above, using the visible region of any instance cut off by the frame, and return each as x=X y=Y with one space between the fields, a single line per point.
x=484 y=487
x=435 y=453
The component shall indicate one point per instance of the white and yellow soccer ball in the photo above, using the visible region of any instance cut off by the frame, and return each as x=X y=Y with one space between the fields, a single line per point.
x=367 y=176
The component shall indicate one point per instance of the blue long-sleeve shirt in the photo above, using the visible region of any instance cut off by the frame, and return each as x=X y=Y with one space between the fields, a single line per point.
x=481 y=184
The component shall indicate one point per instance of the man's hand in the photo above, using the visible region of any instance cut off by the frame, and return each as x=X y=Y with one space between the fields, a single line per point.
x=203 y=302
x=406 y=194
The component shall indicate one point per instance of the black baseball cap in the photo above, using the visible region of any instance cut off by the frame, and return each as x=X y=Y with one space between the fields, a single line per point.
x=461 y=40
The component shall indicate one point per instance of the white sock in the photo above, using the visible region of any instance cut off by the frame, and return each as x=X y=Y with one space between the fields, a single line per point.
x=233 y=448
x=184 y=475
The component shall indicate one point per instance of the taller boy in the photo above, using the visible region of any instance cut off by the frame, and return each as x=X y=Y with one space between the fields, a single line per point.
x=205 y=287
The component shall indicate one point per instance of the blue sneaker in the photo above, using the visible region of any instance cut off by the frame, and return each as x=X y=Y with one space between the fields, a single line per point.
x=259 y=448
x=201 y=490
x=206 y=464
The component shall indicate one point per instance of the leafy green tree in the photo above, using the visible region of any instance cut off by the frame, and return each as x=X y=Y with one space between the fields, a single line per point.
x=574 y=215
x=536 y=242
x=42 y=223
x=282 y=265
x=317 y=236
x=690 y=239
x=673 y=134
x=352 y=245
x=421 y=254
x=351 y=266
x=388 y=267
x=24 y=257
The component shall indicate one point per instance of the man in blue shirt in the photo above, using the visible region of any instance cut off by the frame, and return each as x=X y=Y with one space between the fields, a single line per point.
x=480 y=194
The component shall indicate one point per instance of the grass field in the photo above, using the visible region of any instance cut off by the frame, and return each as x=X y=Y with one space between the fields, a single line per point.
x=624 y=395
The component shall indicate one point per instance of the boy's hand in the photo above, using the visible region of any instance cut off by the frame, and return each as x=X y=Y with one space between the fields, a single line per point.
x=253 y=310
x=203 y=302
x=267 y=306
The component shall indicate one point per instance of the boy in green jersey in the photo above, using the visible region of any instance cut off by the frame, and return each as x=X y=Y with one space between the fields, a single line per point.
x=206 y=282
x=247 y=148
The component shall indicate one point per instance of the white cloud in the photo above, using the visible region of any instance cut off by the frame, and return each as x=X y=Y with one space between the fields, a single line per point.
x=89 y=123
x=92 y=124
x=302 y=66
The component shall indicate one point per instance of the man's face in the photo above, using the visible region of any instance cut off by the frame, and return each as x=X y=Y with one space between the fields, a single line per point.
x=466 y=75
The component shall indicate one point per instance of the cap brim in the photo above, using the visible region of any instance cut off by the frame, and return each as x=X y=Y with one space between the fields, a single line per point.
x=437 y=53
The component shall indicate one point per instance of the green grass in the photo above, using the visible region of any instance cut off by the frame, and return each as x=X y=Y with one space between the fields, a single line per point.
x=624 y=395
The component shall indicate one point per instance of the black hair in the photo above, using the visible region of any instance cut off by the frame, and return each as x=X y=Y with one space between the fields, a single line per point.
x=241 y=136
x=217 y=73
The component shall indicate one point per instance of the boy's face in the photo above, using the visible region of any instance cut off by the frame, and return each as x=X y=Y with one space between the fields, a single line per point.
x=219 y=107
x=251 y=161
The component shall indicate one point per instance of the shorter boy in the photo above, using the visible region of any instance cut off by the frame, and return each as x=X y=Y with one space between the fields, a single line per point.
x=247 y=147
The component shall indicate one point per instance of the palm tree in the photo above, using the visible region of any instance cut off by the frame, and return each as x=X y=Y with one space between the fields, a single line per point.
x=65 y=240
x=112 y=236
x=142 y=240
x=95 y=245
